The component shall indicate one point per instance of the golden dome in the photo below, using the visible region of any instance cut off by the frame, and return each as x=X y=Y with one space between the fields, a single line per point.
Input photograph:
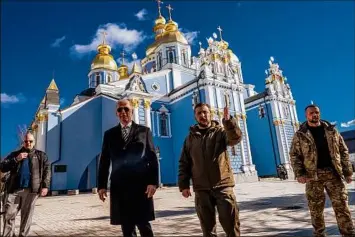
x=167 y=37
x=171 y=26
x=160 y=20
x=223 y=44
x=104 y=59
x=123 y=72
x=232 y=56
x=171 y=33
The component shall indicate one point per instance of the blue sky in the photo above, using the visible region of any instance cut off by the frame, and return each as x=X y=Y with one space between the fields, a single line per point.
x=313 y=42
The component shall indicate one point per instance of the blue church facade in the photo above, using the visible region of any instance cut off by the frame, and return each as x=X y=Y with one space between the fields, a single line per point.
x=163 y=88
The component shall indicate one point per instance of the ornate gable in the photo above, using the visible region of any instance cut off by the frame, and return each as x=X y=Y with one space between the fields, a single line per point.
x=137 y=84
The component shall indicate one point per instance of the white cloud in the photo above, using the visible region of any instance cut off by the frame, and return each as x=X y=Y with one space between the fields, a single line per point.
x=190 y=36
x=11 y=99
x=117 y=35
x=141 y=14
x=61 y=101
x=348 y=124
x=57 y=42
x=333 y=123
x=129 y=61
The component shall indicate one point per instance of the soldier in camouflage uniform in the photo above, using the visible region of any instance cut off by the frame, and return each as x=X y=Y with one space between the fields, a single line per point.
x=320 y=159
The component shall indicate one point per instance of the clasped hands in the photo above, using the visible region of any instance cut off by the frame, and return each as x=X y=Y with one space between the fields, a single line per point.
x=151 y=189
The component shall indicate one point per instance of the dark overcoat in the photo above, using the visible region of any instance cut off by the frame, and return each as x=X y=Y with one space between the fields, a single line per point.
x=134 y=167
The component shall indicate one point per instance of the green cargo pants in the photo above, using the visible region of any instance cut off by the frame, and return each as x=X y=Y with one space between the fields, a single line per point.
x=338 y=195
x=228 y=211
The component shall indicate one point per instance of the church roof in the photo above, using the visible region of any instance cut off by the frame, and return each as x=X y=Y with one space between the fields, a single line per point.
x=88 y=92
x=348 y=135
x=255 y=97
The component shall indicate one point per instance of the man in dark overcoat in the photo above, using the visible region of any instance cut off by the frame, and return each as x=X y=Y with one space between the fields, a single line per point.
x=128 y=148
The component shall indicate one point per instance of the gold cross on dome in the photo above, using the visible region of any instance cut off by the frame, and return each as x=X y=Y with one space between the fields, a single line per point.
x=122 y=55
x=103 y=36
x=159 y=2
x=220 y=32
x=169 y=8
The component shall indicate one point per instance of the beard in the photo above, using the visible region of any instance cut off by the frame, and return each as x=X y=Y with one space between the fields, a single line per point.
x=203 y=125
x=314 y=120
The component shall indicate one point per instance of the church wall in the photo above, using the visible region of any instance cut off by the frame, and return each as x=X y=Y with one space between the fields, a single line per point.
x=53 y=136
x=181 y=120
x=81 y=143
x=161 y=81
x=165 y=145
x=108 y=114
x=261 y=142
x=186 y=77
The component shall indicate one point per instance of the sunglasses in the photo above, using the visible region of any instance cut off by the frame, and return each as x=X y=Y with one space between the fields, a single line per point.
x=120 y=109
x=28 y=141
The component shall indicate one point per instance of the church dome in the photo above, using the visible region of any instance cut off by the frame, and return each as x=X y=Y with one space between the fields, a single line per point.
x=104 y=60
x=233 y=57
x=171 y=34
x=160 y=20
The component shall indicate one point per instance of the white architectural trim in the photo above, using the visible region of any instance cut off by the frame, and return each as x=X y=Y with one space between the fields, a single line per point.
x=136 y=115
x=182 y=97
x=167 y=79
x=256 y=106
x=152 y=113
x=147 y=114
x=247 y=141
x=155 y=74
x=163 y=109
x=158 y=129
x=169 y=125
x=80 y=104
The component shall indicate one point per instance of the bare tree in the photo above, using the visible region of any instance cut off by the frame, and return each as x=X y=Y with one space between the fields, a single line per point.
x=21 y=131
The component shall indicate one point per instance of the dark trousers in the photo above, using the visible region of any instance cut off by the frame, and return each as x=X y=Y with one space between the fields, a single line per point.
x=228 y=211
x=129 y=230
x=338 y=195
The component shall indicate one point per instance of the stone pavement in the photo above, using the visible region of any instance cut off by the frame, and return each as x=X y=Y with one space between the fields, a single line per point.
x=266 y=208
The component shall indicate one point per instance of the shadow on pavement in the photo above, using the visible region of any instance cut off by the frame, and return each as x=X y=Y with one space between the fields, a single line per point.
x=93 y=219
x=290 y=202
x=271 y=216
x=168 y=213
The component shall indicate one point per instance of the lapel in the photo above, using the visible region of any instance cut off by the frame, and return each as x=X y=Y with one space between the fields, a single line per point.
x=131 y=132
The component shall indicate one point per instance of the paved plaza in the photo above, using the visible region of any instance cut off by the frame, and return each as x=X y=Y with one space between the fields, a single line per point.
x=268 y=207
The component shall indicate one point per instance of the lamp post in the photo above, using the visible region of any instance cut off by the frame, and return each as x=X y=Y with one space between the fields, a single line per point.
x=157 y=151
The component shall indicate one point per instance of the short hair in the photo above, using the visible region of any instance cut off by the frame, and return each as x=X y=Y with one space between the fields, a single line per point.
x=28 y=133
x=124 y=100
x=202 y=104
x=311 y=106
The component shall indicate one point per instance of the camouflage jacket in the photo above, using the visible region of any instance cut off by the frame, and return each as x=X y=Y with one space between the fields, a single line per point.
x=204 y=158
x=303 y=152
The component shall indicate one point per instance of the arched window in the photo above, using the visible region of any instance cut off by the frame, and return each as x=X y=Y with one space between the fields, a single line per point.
x=195 y=99
x=97 y=79
x=227 y=101
x=184 y=58
x=164 y=125
x=171 y=56
x=261 y=112
x=159 y=59
x=109 y=78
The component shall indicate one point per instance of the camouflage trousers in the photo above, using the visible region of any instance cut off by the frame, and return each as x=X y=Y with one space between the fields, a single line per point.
x=227 y=207
x=338 y=195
